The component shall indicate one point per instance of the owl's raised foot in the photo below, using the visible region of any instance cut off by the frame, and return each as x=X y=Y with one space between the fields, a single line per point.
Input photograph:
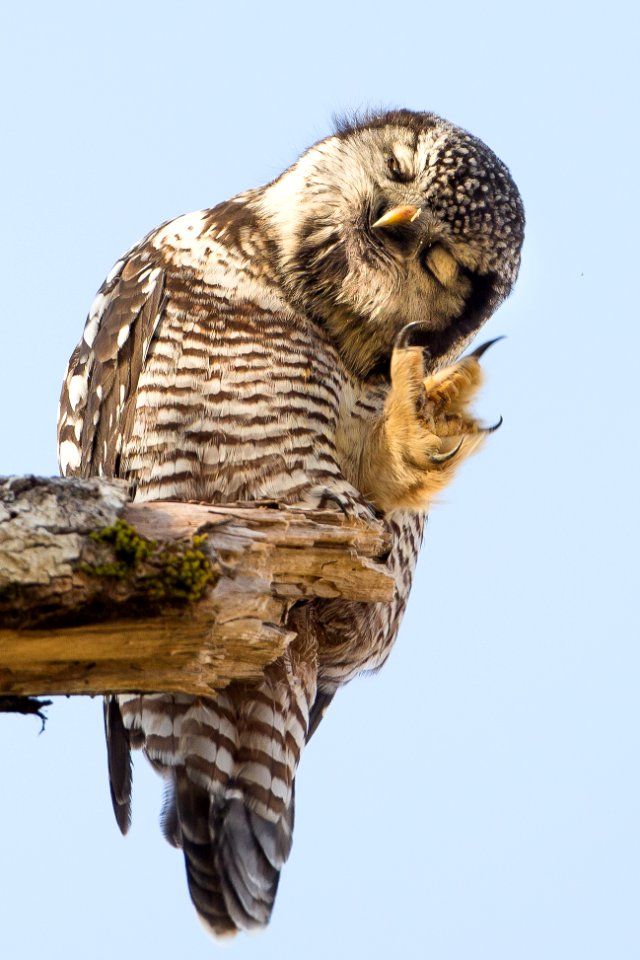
x=426 y=431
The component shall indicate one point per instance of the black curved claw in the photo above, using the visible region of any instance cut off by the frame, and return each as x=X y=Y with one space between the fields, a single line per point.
x=482 y=349
x=328 y=497
x=403 y=339
x=443 y=457
x=496 y=426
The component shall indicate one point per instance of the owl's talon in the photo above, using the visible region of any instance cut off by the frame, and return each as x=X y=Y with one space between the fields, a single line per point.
x=349 y=504
x=403 y=339
x=439 y=458
x=328 y=499
x=492 y=429
x=482 y=349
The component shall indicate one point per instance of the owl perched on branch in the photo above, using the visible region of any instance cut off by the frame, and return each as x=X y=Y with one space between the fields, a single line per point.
x=297 y=343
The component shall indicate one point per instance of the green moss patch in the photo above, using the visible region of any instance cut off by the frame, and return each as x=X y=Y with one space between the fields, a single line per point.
x=176 y=572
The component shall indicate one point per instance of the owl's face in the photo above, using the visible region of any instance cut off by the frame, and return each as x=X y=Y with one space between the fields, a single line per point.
x=399 y=218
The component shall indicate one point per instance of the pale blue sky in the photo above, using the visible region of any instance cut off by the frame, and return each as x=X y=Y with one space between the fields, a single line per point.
x=480 y=798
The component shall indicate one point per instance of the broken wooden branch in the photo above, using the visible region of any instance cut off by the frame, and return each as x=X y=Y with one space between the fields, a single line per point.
x=100 y=595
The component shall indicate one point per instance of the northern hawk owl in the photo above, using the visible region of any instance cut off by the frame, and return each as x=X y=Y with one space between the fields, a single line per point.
x=298 y=343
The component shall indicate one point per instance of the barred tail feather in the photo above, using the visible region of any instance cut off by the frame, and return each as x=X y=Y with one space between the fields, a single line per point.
x=232 y=881
x=229 y=764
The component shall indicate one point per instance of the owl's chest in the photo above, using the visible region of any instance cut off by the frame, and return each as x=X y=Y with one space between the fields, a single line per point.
x=236 y=402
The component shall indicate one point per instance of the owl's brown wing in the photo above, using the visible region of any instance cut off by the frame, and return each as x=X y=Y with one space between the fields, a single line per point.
x=96 y=407
x=228 y=761
x=98 y=395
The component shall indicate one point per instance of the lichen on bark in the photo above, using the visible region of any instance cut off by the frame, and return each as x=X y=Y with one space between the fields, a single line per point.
x=175 y=572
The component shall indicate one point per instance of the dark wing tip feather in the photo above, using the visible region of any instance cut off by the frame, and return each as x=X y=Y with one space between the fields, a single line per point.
x=317 y=711
x=119 y=762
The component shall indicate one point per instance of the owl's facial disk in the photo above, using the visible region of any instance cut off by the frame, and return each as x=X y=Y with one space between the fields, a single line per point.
x=403 y=218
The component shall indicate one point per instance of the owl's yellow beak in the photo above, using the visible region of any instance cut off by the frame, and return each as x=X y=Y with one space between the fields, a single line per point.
x=406 y=213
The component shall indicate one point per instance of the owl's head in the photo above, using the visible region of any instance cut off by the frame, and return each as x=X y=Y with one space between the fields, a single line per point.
x=397 y=217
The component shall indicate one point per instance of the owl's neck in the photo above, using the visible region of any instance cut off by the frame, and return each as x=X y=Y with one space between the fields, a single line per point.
x=258 y=238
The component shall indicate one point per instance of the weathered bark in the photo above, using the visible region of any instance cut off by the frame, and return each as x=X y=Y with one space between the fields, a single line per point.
x=101 y=595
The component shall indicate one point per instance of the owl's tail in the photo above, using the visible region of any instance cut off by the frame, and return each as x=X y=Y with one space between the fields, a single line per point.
x=229 y=763
x=233 y=855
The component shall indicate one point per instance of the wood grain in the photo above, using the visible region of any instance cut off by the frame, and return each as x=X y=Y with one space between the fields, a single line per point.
x=67 y=629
